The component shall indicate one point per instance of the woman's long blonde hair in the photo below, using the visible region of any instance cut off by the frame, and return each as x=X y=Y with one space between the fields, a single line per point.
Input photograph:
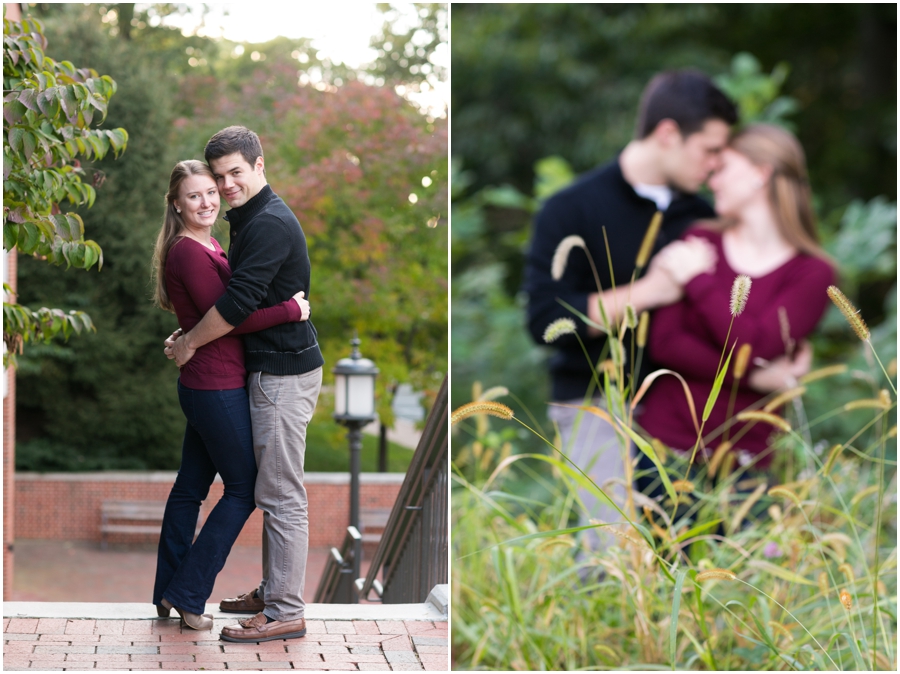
x=172 y=228
x=789 y=192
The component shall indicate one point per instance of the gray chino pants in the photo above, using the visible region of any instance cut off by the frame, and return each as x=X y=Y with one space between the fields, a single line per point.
x=281 y=407
x=592 y=445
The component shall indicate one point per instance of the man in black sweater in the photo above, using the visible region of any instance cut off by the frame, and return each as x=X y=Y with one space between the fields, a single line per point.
x=270 y=262
x=682 y=127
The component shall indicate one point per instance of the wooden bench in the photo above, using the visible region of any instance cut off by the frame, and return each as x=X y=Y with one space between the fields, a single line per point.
x=372 y=522
x=150 y=512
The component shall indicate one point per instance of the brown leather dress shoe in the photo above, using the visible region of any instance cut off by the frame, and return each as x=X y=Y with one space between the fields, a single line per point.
x=256 y=629
x=246 y=603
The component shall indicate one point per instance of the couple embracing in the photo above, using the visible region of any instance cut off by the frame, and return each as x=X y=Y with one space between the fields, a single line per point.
x=761 y=226
x=250 y=375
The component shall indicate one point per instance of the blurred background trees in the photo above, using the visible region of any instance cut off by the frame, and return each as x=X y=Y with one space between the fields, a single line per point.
x=543 y=92
x=364 y=170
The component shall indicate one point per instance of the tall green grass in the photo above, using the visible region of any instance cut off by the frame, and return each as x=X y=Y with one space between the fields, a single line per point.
x=799 y=572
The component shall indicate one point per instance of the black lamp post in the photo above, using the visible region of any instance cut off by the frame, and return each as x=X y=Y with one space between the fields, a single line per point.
x=354 y=407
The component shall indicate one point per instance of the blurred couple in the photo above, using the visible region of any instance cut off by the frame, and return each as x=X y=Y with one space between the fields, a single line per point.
x=761 y=226
x=244 y=312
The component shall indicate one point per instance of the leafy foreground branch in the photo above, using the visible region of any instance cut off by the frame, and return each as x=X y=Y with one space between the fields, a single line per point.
x=48 y=109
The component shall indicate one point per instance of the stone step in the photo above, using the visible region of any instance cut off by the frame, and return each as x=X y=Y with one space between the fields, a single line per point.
x=144 y=611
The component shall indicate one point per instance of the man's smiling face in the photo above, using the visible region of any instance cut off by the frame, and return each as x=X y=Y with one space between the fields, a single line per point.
x=237 y=180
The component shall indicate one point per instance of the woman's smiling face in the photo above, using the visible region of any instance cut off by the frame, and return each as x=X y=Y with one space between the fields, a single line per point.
x=198 y=201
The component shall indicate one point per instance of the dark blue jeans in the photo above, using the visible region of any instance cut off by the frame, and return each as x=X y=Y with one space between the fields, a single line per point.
x=218 y=439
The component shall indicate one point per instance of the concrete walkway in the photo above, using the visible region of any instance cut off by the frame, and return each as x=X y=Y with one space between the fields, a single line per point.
x=52 y=636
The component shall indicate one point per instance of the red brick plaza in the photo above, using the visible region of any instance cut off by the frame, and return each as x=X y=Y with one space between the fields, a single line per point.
x=57 y=644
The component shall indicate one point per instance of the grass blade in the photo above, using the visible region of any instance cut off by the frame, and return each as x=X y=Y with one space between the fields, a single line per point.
x=673 y=625
x=717 y=385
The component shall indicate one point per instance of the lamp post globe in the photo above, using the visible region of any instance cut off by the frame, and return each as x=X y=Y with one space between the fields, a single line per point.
x=354 y=388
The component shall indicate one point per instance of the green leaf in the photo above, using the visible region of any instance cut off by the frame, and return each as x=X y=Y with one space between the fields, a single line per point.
x=10 y=235
x=29 y=237
x=673 y=624
x=779 y=572
x=28 y=99
x=98 y=254
x=67 y=100
x=645 y=447
x=90 y=257
x=717 y=385
x=13 y=111
x=16 y=138
x=699 y=529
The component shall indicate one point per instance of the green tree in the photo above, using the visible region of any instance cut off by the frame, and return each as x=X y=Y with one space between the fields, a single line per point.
x=48 y=109
x=408 y=48
x=116 y=382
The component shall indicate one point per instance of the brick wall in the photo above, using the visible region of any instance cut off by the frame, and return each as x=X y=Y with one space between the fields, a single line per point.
x=67 y=505
x=9 y=418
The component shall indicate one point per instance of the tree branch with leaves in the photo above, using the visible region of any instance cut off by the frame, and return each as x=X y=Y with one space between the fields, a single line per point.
x=48 y=109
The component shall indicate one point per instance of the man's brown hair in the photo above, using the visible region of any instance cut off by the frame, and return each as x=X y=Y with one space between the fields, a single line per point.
x=234 y=139
x=687 y=97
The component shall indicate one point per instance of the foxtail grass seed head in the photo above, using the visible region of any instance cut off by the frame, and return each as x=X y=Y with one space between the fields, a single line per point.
x=561 y=256
x=838 y=542
x=643 y=327
x=885 y=398
x=867 y=403
x=558 y=328
x=717 y=457
x=846 y=599
x=649 y=240
x=785 y=325
x=742 y=360
x=784 y=492
x=494 y=392
x=641 y=543
x=766 y=417
x=740 y=291
x=631 y=319
x=715 y=574
x=781 y=399
x=683 y=486
x=832 y=457
x=608 y=367
x=823 y=584
x=847 y=570
x=850 y=312
x=824 y=372
x=781 y=629
x=471 y=409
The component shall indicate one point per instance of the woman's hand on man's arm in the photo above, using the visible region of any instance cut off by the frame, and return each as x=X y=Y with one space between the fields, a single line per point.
x=300 y=299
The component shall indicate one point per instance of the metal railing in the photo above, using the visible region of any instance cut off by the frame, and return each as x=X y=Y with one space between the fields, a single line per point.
x=341 y=570
x=413 y=553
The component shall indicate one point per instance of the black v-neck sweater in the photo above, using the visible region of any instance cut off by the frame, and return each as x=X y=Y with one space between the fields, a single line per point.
x=600 y=198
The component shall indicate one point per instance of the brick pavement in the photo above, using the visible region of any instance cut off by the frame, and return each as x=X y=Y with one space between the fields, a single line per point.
x=59 y=644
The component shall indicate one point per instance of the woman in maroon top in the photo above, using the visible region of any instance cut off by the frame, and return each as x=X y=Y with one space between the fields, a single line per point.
x=766 y=231
x=192 y=272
